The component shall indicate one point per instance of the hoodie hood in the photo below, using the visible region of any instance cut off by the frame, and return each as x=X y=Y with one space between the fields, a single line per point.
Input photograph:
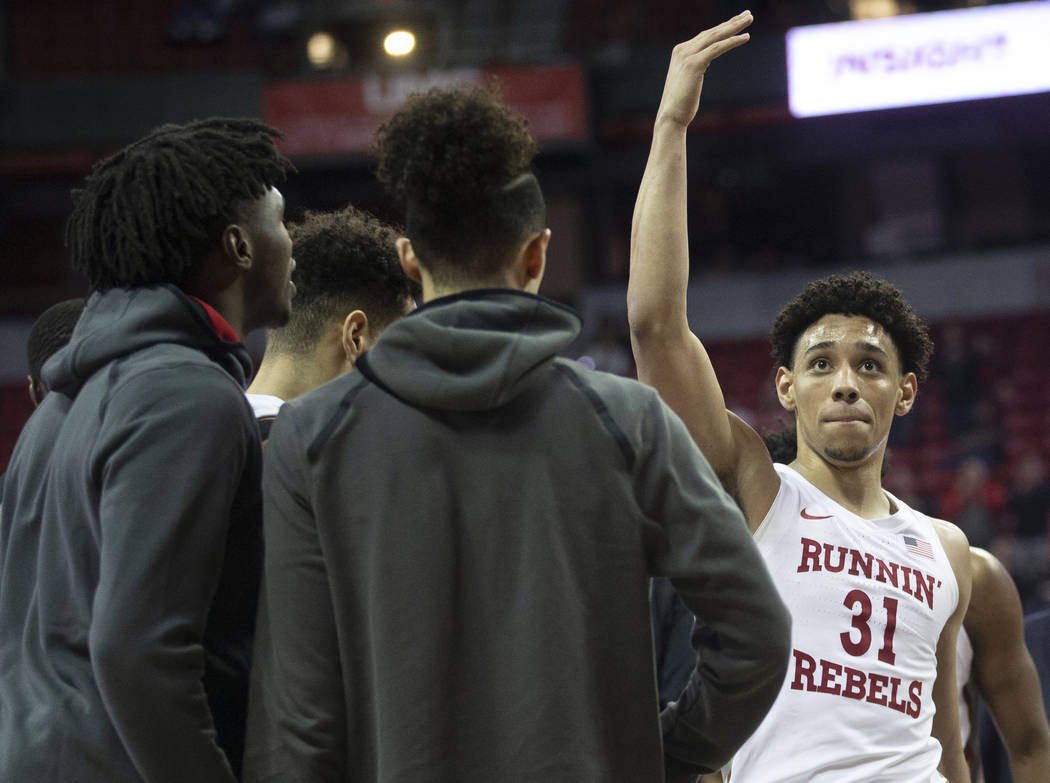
x=121 y=321
x=472 y=351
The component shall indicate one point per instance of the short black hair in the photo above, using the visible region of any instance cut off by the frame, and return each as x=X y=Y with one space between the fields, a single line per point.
x=782 y=444
x=148 y=213
x=458 y=162
x=344 y=261
x=860 y=294
x=50 y=332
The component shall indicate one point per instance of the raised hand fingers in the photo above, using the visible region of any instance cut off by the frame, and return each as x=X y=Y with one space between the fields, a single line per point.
x=689 y=61
x=720 y=39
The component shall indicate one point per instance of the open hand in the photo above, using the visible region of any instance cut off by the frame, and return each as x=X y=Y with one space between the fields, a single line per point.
x=689 y=61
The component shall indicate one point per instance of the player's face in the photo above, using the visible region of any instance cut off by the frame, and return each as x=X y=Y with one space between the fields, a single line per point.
x=270 y=288
x=845 y=388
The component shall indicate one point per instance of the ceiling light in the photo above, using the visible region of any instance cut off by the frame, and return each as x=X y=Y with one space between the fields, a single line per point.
x=399 y=43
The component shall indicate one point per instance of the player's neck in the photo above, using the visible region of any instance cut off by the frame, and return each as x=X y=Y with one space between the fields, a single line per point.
x=857 y=488
x=287 y=377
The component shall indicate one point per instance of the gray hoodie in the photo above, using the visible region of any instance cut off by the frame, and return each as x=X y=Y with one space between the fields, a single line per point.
x=130 y=551
x=459 y=543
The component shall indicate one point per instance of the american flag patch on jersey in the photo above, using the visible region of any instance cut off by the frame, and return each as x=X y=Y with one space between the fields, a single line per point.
x=918 y=546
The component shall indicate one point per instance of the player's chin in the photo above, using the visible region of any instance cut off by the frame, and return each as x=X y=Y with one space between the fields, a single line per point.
x=847 y=453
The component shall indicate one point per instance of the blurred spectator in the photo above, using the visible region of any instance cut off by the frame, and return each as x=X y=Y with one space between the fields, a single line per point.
x=984 y=438
x=610 y=348
x=899 y=479
x=1028 y=508
x=975 y=502
x=957 y=366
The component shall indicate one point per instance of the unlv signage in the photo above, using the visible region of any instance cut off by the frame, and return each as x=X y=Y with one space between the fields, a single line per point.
x=918 y=59
x=339 y=116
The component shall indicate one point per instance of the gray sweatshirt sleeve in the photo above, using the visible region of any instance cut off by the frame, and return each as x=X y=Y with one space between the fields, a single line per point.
x=696 y=535
x=303 y=734
x=170 y=459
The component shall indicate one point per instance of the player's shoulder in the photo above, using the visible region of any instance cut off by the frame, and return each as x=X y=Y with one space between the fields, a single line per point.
x=625 y=399
x=995 y=606
x=987 y=570
x=957 y=548
x=169 y=366
x=316 y=414
x=600 y=380
x=951 y=536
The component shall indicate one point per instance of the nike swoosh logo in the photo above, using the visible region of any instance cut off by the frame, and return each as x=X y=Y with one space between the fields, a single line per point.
x=810 y=516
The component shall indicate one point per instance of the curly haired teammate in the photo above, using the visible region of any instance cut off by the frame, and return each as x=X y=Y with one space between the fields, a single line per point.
x=470 y=602
x=130 y=537
x=349 y=288
x=877 y=591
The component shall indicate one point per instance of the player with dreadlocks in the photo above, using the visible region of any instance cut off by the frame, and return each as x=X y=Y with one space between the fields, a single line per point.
x=130 y=540
x=469 y=602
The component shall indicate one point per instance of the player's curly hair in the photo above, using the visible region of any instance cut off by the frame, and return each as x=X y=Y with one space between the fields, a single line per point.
x=856 y=293
x=344 y=261
x=458 y=162
x=147 y=214
x=782 y=444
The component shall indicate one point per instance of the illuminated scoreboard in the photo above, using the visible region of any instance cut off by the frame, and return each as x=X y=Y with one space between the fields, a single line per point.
x=918 y=59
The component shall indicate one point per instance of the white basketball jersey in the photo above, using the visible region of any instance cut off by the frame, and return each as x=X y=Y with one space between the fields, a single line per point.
x=868 y=599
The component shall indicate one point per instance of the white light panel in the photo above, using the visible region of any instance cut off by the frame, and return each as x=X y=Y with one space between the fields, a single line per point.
x=919 y=59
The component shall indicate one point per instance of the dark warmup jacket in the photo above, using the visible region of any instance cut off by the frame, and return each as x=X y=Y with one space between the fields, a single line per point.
x=130 y=552
x=459 y=541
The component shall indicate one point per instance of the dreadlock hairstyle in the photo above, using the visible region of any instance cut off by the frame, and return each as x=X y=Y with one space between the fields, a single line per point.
x=344 y=261
x=50 y=332
x=856 y=293
x=458 y=162
x=148 y=213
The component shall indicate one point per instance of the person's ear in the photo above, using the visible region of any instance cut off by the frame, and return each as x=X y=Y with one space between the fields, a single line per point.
x=236 y=246
x=536 y=260
x=355 y=336
x=409 y=261
x=909 y=388
x=785 y=384
x=37 y=390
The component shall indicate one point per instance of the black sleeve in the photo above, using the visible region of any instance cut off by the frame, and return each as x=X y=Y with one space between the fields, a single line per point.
x=696 y=536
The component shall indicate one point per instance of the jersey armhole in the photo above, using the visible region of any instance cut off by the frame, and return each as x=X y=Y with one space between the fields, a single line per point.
x=778 y=502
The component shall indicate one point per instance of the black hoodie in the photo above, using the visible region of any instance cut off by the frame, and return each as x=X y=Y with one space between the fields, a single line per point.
x=459 y=541
x=129 y=551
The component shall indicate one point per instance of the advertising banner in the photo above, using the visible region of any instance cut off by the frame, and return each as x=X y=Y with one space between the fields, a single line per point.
x=339 y=116
x=917 y=59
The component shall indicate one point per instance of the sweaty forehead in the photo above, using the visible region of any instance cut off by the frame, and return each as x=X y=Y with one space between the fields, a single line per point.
x=845 y=331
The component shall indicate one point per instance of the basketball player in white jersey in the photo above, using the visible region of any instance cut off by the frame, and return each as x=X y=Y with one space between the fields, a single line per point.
x=877 y=591
x=994 y=664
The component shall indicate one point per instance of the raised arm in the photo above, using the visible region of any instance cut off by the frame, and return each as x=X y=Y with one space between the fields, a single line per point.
x=945 y=689
x=1006 y=677
x=668 y=355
